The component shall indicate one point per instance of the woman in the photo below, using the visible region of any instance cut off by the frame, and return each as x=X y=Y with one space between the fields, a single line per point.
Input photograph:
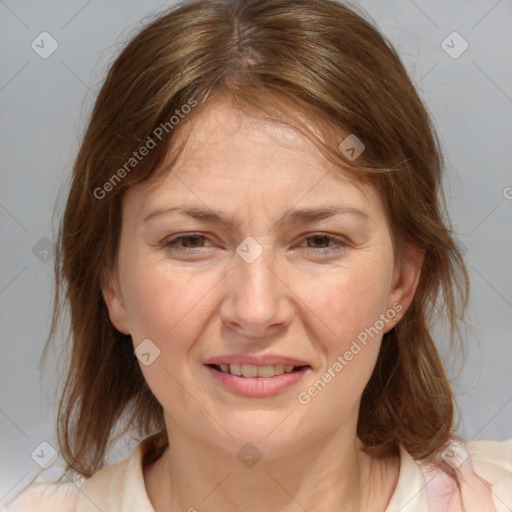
x=254 y=254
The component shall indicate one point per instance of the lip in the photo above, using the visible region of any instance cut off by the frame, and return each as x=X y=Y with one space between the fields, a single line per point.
x=259 y=360
x=257 y=386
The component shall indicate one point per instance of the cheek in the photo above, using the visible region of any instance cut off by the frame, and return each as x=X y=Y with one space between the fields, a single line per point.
x=170 y=308
x=350 y=303
x=349 y=300
x=165 y=303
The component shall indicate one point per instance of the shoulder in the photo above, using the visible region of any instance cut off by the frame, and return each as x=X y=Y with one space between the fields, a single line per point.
x=120 y=483
x=492 y=461
x=108 y=489
x=45 y=497
x=491 y=455
x=482 y=479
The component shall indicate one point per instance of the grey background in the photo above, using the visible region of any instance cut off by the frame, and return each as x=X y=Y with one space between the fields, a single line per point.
x=44 y=105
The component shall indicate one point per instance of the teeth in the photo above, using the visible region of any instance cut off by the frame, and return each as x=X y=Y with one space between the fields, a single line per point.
x=279 y=369
x=252 y=370
x=235 y=369
x=249 y=370
x=265 y=371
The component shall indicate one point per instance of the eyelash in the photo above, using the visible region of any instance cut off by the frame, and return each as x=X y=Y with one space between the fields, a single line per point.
x=340 y=244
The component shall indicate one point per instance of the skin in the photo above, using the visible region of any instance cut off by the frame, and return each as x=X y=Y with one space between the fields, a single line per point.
x=295 y=299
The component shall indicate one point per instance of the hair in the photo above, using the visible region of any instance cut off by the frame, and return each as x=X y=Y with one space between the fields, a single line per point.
x=314 y=65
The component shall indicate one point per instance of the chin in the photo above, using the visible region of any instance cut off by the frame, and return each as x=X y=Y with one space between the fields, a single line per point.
x=274 y=432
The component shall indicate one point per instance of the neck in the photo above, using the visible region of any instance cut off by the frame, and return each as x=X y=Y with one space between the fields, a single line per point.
x=323 y=476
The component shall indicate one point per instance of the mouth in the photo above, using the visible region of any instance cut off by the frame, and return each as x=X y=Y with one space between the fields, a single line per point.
x=256 y=380
x=252 y=370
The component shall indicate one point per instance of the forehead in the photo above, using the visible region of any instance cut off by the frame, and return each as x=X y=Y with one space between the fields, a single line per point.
x=224 y=137
x=221 y=120
x=231 y=157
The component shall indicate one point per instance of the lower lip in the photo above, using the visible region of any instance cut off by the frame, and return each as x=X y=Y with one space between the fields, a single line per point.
x=257 y=386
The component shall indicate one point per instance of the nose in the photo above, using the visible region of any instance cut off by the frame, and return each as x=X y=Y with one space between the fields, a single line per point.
x=257 y=302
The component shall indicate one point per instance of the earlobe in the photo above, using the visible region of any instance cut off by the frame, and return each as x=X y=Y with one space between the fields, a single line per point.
x=116 y=307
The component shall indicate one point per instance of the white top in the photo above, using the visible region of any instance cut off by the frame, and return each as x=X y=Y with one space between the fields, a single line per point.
x=486 y=485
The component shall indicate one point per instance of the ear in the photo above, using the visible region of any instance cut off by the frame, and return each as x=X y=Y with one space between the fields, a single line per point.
x=405 y=282
x=115 y=304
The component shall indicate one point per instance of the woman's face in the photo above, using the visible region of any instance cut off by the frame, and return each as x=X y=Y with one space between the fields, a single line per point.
x=255 y=256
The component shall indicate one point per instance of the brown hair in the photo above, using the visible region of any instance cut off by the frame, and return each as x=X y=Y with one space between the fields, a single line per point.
x=314 y=65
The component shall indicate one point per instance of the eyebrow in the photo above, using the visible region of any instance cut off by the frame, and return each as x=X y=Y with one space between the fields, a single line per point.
x=291 y=216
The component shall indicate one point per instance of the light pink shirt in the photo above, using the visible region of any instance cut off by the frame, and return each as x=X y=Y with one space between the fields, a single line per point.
x=486 y=477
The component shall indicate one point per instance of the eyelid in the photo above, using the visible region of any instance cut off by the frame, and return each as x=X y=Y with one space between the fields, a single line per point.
x=179 y=236
x=340 y=243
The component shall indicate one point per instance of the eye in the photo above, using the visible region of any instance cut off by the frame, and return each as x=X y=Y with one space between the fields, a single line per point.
x=317 y=243
x=323 y=243
x=185 y=241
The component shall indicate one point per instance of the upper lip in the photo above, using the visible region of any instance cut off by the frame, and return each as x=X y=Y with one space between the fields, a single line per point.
x=259 y=360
